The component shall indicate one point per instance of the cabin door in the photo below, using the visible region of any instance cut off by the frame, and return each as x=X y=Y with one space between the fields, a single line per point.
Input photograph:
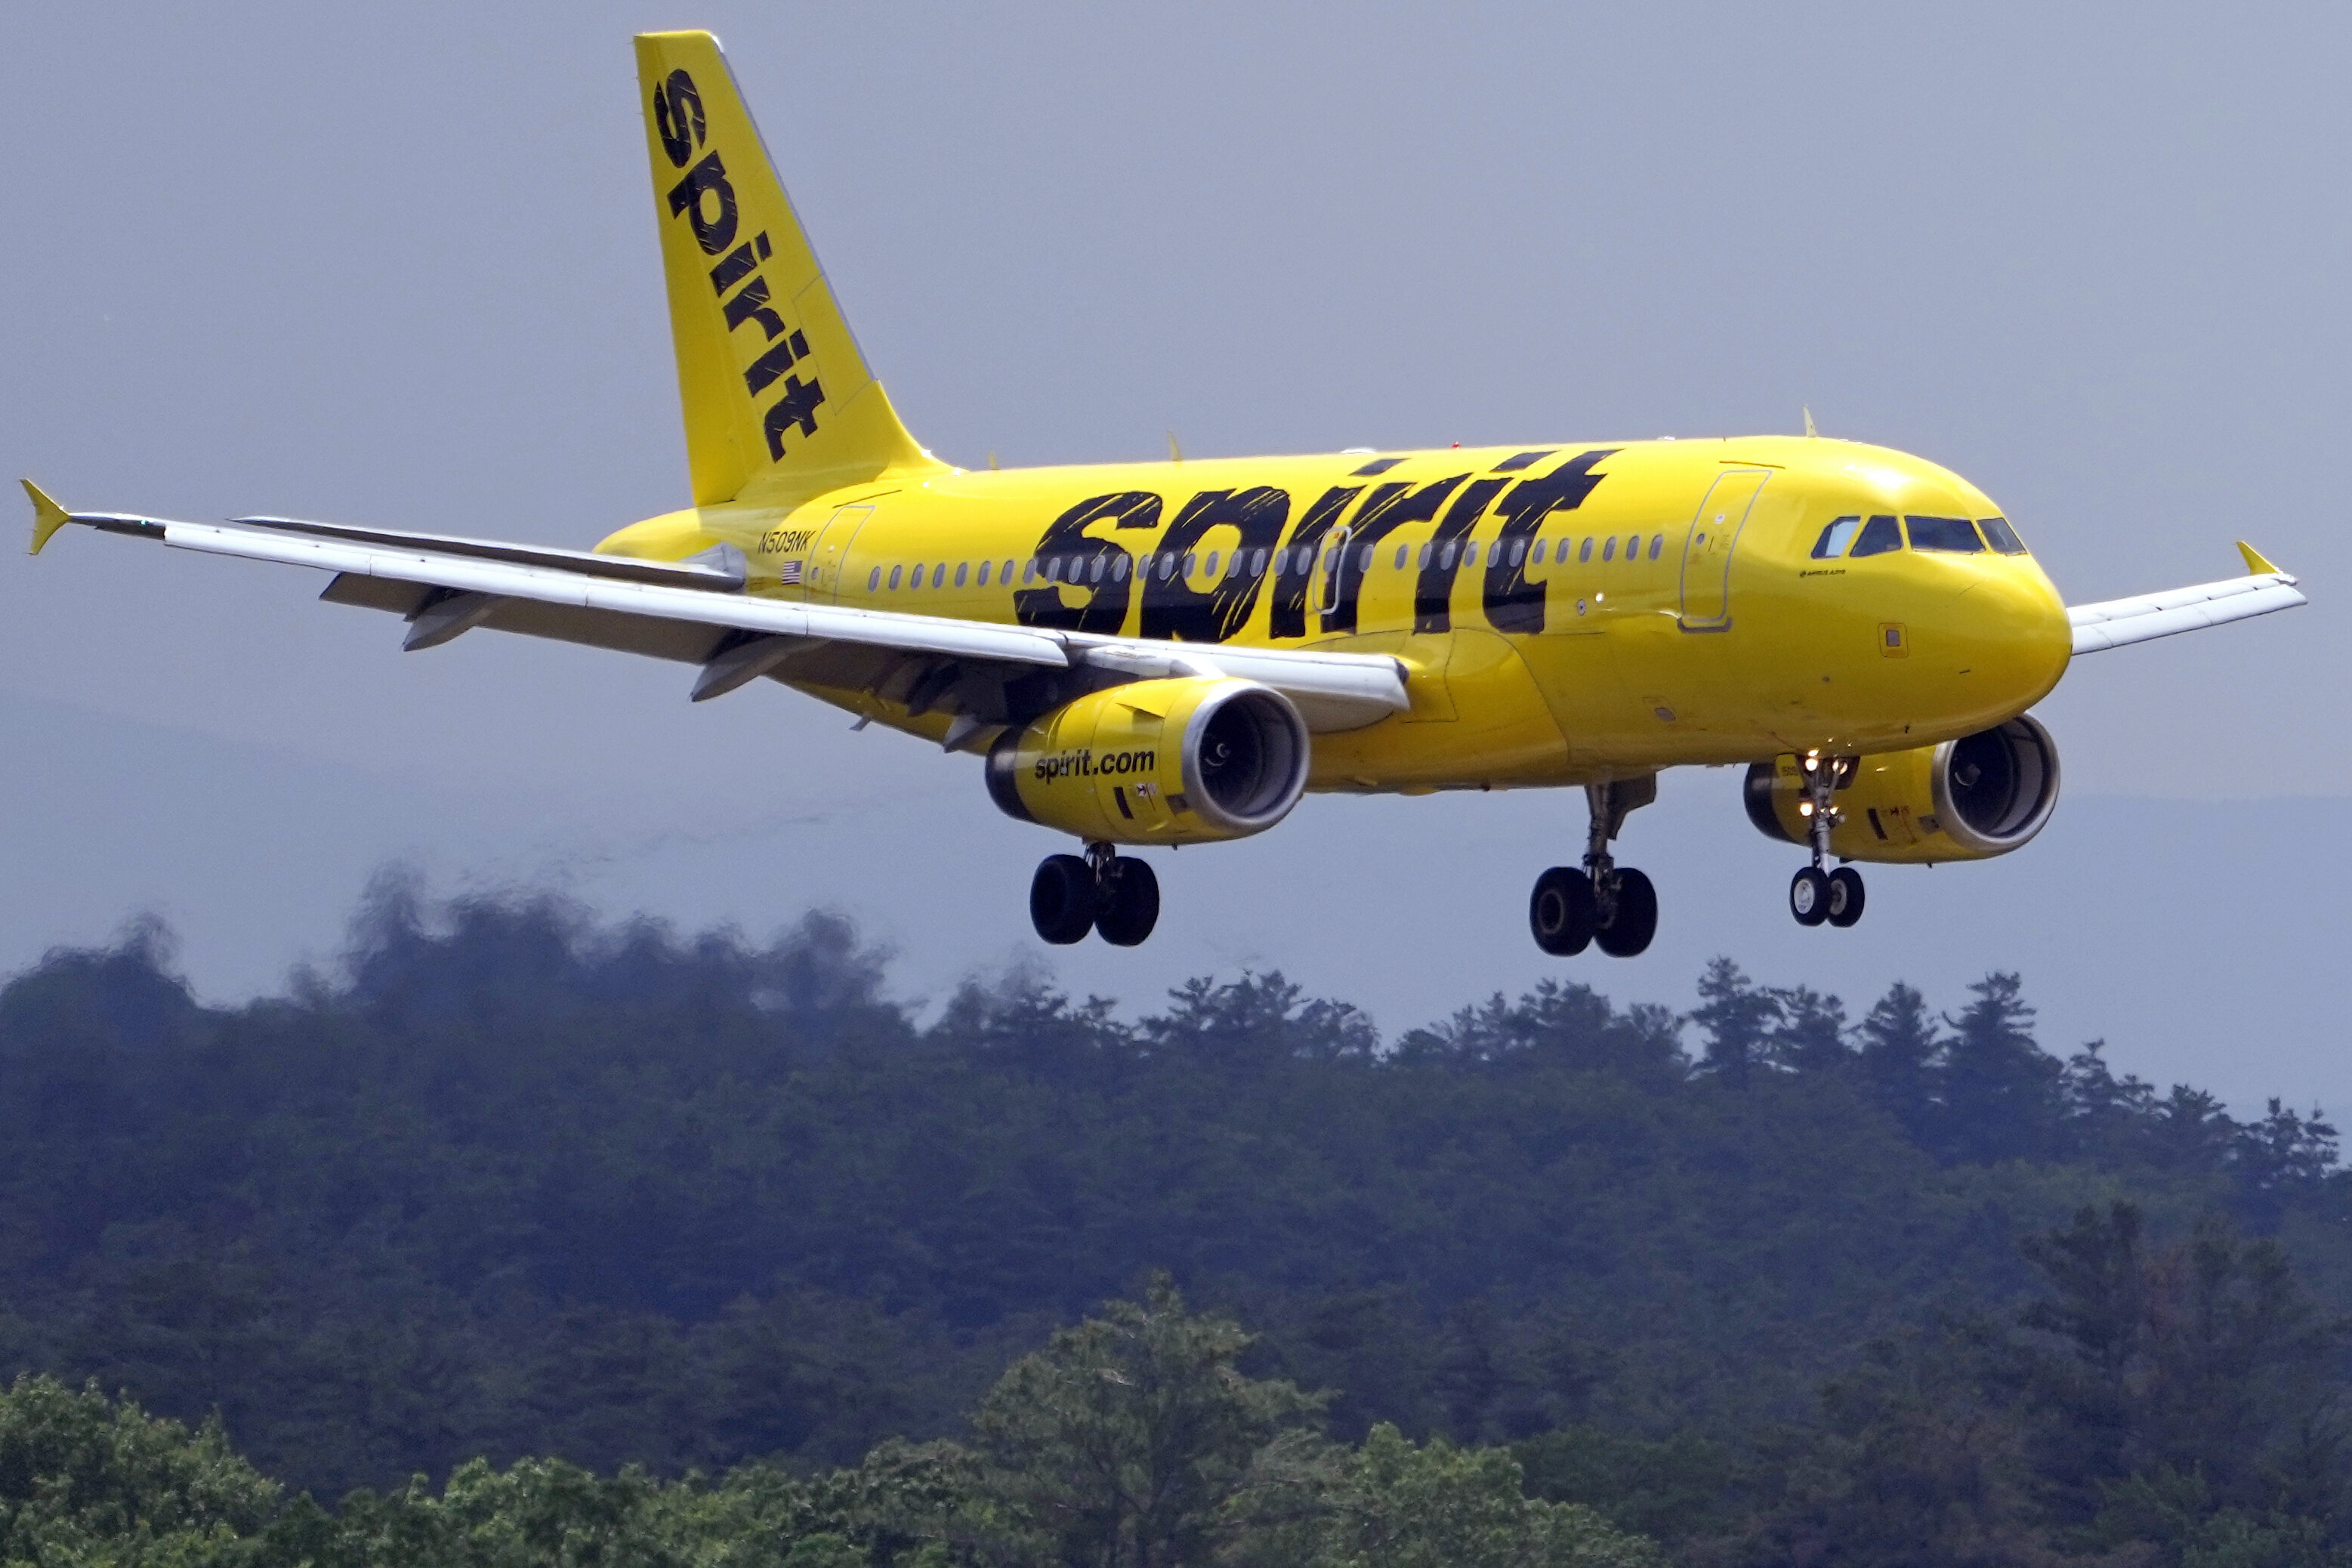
x=1706 y=548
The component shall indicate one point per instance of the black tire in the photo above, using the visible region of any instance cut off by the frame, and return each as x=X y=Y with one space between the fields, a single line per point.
x=1062 y=899
x=1845 y=896
x=1809 y=896
x=1628 y=929
x=1128 y=905
x=1560 y=911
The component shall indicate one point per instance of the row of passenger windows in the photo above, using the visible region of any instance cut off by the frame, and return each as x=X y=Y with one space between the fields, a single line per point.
x=1299 y=559
x=1884 y=533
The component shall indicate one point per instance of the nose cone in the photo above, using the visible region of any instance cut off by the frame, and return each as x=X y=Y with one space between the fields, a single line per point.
x=2011 y=633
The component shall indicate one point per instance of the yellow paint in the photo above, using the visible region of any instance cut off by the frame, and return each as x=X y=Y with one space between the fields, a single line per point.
x=1716 y=637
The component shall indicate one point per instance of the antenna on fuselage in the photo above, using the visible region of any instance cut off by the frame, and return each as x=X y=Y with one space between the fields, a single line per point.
x=1809 y=423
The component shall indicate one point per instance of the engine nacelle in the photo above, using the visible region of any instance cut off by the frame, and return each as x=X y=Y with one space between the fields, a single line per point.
x=1186 y=761
x=1970 y=799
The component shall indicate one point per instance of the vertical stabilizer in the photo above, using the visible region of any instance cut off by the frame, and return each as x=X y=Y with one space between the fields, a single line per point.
x=778 y=401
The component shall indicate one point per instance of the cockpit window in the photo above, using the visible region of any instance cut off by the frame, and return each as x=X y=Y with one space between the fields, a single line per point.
x=1879 y=535
x=1835 y=538
x=2000 y=536
x=1955 y=535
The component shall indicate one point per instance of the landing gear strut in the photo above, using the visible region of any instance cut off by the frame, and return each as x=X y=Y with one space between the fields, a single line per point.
x=1814 y=894
x=1071 y=896
x=1612 y=906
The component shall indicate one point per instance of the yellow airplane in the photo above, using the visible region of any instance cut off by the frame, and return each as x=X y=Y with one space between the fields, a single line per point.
x=1173 y=653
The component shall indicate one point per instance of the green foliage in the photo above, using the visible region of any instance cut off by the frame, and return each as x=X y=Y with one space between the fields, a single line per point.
x=83 y=1480
x=511 y=1187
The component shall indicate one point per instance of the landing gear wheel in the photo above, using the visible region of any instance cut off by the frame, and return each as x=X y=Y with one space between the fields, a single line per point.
x=1127 y=904
x=1561 y=912
x=1062 y=899
x=1629 y=928
x=1809 y=896
x=1845 y=896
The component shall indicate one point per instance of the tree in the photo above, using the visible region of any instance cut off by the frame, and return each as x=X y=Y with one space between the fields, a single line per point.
x=84 y=1480
x=1900 y=1052
x=1394 y=1505
x=1998 y=1090
x=1738 y=1017
x=1123 y=1442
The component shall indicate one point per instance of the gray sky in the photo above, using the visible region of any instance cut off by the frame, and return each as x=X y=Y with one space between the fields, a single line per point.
x=397 y=264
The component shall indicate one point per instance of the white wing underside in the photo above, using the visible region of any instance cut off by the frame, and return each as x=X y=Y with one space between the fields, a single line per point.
x=2116 y=622
x=696 y=614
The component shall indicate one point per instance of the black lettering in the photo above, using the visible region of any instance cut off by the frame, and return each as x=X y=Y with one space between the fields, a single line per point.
x=1513 y=603
x=716 y=232
x=1176 y=610
x=677 y=116
x=1105 y=609
x=797 y=406
x=1385 y=510
x=751 y=305
x=1432 y=592
x=1294 y=577
x=762 y=371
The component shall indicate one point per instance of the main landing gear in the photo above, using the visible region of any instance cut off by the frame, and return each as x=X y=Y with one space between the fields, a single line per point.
x=1071 y=896
x=1815 y=895
x=1604 y=905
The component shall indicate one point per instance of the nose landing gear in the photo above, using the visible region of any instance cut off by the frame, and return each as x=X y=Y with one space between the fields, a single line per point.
x=1604 y=905
x=1070 y=896
x=1816 y=895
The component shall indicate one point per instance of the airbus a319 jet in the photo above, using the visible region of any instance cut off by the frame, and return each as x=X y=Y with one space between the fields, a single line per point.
x=1173 y=653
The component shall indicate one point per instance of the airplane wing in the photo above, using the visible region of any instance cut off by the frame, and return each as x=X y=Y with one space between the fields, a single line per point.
x=2115 y=621
x=697 y=612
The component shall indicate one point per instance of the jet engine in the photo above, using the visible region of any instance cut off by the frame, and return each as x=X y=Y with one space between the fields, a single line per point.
x=1970 y=799
x=1191 y=760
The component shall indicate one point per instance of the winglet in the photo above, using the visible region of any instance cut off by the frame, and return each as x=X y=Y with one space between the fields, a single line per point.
x=48 y=516
x=2257 y=564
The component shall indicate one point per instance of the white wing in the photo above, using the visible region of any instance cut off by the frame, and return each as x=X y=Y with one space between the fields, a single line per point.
x=2115 y=621
x=696 y=612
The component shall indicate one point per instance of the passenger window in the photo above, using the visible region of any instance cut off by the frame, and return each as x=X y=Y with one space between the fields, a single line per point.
x=1213 y=562
x=1584 y=552
x=1518 y=551
x=894 y=576
x=1053 y=569
x=1835 y=538
x=1609 y=548
x=1422 y=560
x=1007 y=575
x=1095 y=572
x=1445 y=557
x=961 y=567
x=1191 y=560
x=939 y=573
x=874 y=579
x=1257 y=564
x=1955 y=534
x=1029 y=570
x=1657 y=546
x=2000 y=536
x=1400 y=560
x=1470 y=553
x=1118 y=569
x=982 y=579
x=1879 y=535
x=1540 y=552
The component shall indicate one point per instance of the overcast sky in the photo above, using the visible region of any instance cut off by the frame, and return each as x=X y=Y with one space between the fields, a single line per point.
x=399 y=265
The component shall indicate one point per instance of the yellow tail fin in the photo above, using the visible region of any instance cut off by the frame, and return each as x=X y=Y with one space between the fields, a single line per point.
x=779 y=403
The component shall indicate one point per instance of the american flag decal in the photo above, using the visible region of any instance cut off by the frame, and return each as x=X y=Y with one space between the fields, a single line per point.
x=789 y=572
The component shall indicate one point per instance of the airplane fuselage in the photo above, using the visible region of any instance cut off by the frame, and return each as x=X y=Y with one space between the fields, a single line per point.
x=1565 y=613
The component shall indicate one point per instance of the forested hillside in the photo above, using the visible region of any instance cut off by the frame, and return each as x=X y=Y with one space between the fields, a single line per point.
x=511 y=1185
